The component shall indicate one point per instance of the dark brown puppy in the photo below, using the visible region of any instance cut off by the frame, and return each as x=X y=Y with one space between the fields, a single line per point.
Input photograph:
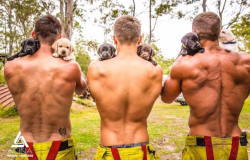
x=106 y=51
x=146 y=52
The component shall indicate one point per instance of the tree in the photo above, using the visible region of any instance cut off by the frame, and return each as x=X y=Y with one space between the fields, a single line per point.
x=242 y=30
x=66 y=16
x=17 y=19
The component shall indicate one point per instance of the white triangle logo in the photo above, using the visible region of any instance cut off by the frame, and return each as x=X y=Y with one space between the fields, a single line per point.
x=19 y=141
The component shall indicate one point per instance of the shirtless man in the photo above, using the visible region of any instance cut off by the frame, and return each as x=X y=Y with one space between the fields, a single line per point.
x=215 y=84
x=125 y=88
x=43 y=87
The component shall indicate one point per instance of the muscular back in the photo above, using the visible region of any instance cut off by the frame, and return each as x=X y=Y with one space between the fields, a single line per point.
x=124 y=90
x=42 y=87
x=215 y=85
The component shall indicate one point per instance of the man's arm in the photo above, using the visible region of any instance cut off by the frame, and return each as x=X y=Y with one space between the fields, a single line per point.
x=172 y=86
x=80 y=80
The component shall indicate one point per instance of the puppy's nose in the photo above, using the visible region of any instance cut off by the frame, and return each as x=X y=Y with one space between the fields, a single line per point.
x=63 y=52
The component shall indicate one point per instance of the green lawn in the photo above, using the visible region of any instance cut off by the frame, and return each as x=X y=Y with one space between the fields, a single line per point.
x=167 y=128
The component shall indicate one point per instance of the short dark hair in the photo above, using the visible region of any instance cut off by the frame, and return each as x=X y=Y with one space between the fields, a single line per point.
x=47 y=28
x=127 y=29
x=207 y=25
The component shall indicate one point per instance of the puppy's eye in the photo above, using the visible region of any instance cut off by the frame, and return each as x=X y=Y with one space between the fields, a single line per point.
x=223 y=32
x=67 y=47
x=60 y=46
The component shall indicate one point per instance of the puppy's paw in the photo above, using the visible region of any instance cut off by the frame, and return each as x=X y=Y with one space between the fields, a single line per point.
x=68 y=58
x=56 y=55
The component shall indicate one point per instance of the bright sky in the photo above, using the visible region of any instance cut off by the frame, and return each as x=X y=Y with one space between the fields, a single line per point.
x=168 y=31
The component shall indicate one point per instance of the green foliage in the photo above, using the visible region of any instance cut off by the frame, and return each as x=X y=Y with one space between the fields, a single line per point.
x=17 y=21
x=10 y=112
x=242 y=31
x=2 y=79
x=82 y=57
x=164 y=63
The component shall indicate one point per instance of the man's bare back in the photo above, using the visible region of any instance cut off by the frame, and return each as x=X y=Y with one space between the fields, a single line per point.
x=124 y=89
x=43 y=87
x=215 y=85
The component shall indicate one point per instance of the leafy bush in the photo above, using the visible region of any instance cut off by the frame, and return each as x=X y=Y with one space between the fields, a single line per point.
x=2 y=79
x=10 y=112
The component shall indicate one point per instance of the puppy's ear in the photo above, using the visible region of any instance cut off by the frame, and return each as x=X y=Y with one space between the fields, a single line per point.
x=54 y=46
x=72 y=48
x=152 y=52
x=139 y=50
x=113 y=50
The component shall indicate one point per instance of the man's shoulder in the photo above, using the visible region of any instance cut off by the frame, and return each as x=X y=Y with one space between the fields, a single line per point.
x=95 y=68
x=12 y=67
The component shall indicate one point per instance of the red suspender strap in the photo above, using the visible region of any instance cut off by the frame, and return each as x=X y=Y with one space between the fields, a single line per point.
x=53 y=150
x=144 y=148
x=115 y=154
x=209 y=148
x=234 y=149
x=32 y=155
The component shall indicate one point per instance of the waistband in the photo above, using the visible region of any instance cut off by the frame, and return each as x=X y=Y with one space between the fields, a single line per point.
x=200 y=140
x=44 y=146
x=127 y=145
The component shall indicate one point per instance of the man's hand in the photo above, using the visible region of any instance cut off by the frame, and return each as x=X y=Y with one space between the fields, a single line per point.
x=81 y=86
x=80 y=80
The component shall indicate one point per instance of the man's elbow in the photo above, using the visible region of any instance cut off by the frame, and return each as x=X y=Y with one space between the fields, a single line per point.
x=166 y=99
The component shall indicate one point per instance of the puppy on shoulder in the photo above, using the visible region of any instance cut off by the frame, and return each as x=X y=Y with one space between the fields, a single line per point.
x=146 y=52
x=63 y=49
x=228 y=41
x=106 y=51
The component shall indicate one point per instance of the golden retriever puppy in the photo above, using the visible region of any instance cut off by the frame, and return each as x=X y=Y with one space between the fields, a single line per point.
x=63 y=49
x=228 y=41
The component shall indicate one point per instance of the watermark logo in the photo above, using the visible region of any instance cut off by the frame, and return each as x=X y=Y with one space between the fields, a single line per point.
x=19 y=142
x=20 y=147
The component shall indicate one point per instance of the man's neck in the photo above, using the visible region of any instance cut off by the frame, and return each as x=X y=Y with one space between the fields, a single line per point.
x=127 y=50
x=45 y=49
x=207 y=44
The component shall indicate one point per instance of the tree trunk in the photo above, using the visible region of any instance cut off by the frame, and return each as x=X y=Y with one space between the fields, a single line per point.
x=66 y=14
x=150 y=22
x=133 y=8
x=204 y=5
x=68 y=18
x=10 y=30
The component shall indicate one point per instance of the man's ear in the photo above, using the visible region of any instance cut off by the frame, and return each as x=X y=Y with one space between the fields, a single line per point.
x=54 y=45
x=115 y=40
x=33 y=34
x=59 y=36
x=139 y=40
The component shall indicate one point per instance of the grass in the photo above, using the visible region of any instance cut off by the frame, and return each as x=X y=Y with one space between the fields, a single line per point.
x=167 y=128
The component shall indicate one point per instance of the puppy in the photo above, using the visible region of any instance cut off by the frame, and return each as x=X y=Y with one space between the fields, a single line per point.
x=146 y=52
x=106 y=51
x=63 y=49
x=190 y=44
x=227 y=40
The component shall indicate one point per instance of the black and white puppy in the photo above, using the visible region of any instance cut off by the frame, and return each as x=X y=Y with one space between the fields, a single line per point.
x=106 y=51
x=146 y=52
